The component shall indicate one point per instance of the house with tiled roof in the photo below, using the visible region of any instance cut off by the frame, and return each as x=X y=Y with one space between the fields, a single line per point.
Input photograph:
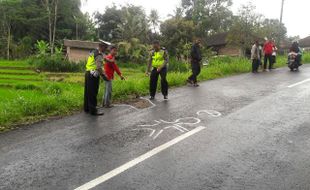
x=305 y=43
x=219 y=44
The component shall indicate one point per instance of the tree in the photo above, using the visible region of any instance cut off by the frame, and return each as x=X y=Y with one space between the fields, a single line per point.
x=178 y=13
x=134 y=23
x=210 y=16
x=108 y=23
x=51 y=7
x=272 y=29
x=176 y=33
x=133 y=50
x=123 y=23
x=154 y=19
x=87 y=28
x=8 y=9
x=30 y=21
x=246 y=27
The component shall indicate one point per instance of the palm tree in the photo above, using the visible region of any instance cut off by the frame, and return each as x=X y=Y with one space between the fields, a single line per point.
x=133 y=50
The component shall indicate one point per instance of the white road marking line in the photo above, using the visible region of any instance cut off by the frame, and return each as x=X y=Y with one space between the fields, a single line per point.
x=138 y=160
x=299 y=83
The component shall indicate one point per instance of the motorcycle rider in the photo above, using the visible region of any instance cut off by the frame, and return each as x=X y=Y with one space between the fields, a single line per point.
x=297 y=50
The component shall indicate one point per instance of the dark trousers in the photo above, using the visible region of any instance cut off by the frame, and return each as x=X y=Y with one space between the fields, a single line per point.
x=274 y=60
x=255 y=65
x=266 y=59
x=196 y=69
x=90 y=93
x=154 y=79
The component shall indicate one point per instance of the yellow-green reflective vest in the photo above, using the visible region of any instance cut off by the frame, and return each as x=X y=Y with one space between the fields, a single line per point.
x=158 y=58
x=91 y=61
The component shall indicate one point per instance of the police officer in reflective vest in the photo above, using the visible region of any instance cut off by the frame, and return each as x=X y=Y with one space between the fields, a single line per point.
x=94 y=70
x=157 y=65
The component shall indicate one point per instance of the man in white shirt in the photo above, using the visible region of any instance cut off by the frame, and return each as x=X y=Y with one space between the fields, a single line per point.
x=255 y=57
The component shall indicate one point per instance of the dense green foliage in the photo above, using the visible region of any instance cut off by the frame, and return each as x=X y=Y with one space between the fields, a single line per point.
x=23 y=22
x=56 y=64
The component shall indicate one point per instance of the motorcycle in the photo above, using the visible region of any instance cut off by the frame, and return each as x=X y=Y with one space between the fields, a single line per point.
x=292 y=61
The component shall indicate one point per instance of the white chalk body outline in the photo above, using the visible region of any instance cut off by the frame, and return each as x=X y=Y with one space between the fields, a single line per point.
x=177 y=125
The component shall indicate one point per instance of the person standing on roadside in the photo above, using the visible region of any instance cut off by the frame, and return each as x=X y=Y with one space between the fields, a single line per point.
x=157 y=65
x=255 y=57
x=92 y=78
x=260 y=55
x=274 y=54
x=268 y=50
x=196 y=59
x=110 y=67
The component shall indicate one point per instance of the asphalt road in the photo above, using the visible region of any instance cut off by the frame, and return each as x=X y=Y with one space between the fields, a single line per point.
x=243 y=132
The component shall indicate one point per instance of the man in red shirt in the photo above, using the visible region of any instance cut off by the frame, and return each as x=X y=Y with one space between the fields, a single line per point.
x=268 y=50
x=110 y=67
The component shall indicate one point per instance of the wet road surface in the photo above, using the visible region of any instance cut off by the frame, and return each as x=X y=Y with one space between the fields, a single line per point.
x=242 y=132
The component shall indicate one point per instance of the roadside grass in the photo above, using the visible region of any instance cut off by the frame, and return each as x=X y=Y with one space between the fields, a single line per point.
x=23 y=106
x=23 y=77
x=15 y=63
x=306 y=57
x=17 y=72
x=30 y=98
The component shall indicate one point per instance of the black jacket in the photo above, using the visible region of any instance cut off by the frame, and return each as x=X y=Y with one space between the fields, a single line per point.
x=196 y=54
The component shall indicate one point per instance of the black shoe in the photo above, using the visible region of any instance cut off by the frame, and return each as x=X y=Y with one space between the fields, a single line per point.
x=196 y=85
x=166 y=97
x=152 y=98
x=97 y=114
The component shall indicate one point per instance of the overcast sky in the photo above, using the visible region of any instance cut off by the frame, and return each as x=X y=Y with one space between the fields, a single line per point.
x=295 y=11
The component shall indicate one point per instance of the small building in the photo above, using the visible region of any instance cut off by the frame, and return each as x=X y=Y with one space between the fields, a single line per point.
x=219 y=44
x=79 y=50
x=305 y=43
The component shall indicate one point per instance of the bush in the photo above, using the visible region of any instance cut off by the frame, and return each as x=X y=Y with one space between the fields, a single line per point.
x=44 y=61
x=22 y=49
x=177 y=66
x=55 y=64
